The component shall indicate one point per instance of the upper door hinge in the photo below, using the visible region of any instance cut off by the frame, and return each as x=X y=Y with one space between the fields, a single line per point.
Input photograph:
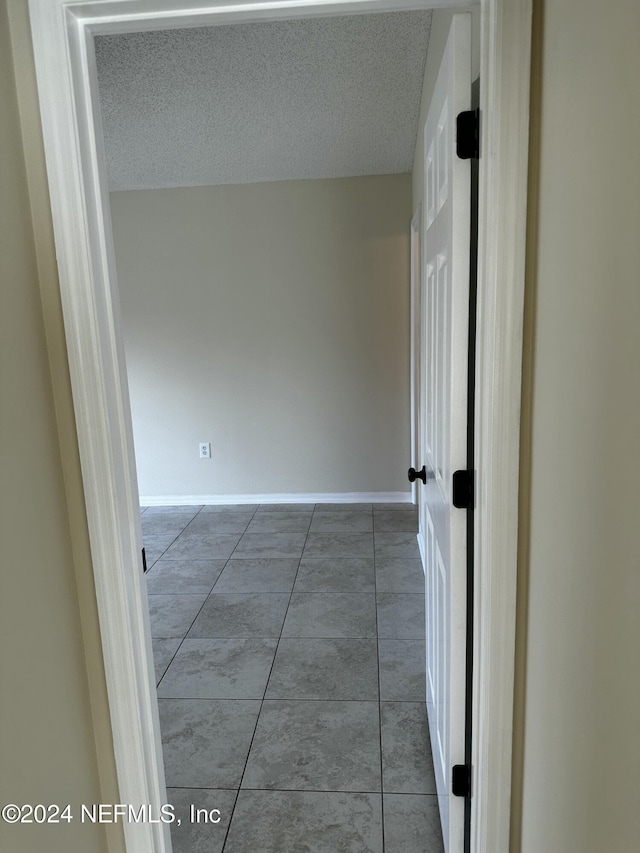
x=463 y=488
x=461 y=780
x=144 y=562
x=468 y=135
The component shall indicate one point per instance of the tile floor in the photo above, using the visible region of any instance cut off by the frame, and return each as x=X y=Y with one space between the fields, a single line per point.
x=289 y=653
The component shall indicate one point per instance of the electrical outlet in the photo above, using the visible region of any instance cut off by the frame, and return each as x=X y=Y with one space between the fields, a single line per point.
x=205 y=450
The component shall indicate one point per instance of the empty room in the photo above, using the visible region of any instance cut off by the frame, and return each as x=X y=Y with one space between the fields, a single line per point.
x=261 y=206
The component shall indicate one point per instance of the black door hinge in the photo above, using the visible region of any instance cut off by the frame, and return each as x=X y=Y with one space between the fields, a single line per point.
x=144 y=562
x=463 y=485
x=461 y=780
x=468 y=135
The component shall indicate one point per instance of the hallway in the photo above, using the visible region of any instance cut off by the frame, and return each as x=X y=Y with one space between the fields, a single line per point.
x=289 y=652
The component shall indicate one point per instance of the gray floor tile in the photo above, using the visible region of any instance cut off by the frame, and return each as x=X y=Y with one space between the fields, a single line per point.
x=219 y=522
x=264 y=575
x=241 y=615
x=205 y=546
x=412 y=824
x=402 y=670
x=280 y=522
x=308 y=508
x=397 y=545
x=407 y=765
x=396 y=506
x=230 y=508
x=399 y=574
x=319 y=731
x=341 y=522
x=325 y=669
x=163 y=651
x=206 y=741
x=270 y=545
x=181 y=577
x=156 y=545
x=219 y=669
x=330 y=614
x=401 y=616
x=335 y=574
x=189 y=511
x=305 y=822
x=346 y=507
x=172 y=615
x=152 y=556
x=326 y=746
x=165 y=524
x=202 y=836
x=339 y=545
x=395 y=521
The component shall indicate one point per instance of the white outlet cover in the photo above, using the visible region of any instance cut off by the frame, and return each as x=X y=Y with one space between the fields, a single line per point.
x=205 y=450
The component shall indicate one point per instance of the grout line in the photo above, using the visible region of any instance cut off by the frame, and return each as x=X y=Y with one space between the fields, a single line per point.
x=170 y=662
x=195 y=516
x=284 y=591
x=188 y=629
x=172 y=541
x=171 y=638
x=185 y=637
x=262 y=637
x=296 y=699
x=235 y=800
x=285 y=699
x=231 y=813
x=273 y=660
x=338 y=592
x=294 y=637
x=375 y=587
x=173 y=593
x=280 y=637
x=303 y=791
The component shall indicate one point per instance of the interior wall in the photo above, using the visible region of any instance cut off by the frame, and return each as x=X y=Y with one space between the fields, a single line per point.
x=53 y=709
x=577 y=761
x=271 y=320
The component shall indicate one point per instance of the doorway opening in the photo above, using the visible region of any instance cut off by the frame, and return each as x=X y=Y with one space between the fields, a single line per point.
x=270 y=317
x=80 y=205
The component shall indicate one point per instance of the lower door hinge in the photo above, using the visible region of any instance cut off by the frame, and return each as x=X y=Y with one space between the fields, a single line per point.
x=461 y=780
x=144 y=562
x=468 y=135
x=463 y=487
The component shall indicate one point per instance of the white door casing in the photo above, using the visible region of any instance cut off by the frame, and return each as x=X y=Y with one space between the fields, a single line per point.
x=416 y=343
x=443 y=432
x=63 y=32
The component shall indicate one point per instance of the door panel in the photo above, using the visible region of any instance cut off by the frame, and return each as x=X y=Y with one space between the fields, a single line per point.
x=443 y=430
x=416 y=333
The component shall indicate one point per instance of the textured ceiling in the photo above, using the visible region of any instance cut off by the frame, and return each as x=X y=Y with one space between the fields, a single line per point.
x=316 y=98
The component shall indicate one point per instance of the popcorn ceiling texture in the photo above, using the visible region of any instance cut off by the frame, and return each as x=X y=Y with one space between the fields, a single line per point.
x=315 y=98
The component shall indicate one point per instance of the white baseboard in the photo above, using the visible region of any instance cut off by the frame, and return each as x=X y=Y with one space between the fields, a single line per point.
x=324 y=498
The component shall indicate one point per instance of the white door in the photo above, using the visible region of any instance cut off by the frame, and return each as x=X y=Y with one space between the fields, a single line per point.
x=416 y=345
x=443 y=430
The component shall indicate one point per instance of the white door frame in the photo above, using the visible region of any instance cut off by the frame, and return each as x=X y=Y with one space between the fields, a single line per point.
x=63 y=33
x=415 y=337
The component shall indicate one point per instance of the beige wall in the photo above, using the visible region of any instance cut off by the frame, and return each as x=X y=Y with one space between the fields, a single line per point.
x=578 y=713
x=271 y=320
x=53 y=711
